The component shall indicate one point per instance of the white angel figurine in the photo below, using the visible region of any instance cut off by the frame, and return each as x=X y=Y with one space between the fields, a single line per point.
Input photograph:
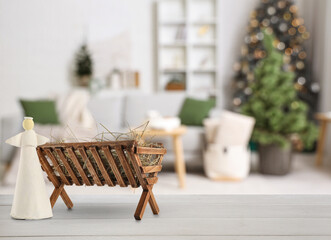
x=31 y=200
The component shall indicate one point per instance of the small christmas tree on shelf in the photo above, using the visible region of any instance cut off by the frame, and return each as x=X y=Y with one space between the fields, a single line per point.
x=280 y=18
x=280 y=115
x=84 y=66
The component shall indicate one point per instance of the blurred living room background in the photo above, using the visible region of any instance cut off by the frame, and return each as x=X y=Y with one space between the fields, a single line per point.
x=189 y=68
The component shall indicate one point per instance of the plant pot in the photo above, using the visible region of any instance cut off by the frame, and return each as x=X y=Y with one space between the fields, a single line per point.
x=275 y=160
x=84 y=81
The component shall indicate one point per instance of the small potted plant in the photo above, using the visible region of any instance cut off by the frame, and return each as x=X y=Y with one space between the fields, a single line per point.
x=84 y=66
x=280 y=115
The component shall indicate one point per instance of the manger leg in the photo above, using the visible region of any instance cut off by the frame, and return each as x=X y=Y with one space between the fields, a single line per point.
x=59 y=191
x=56 y=193
x=152 y=203
x=142 y=205
x=66 y=199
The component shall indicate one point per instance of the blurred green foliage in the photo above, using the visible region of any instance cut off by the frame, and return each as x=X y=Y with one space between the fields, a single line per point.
x=274 y=104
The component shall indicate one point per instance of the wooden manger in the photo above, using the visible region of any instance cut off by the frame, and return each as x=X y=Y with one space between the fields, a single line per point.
x=111 y=163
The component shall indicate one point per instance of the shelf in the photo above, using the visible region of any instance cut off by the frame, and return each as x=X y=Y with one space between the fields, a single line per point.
x=177 y=44
x=183 y=70
x=181 y=90
x=184 y=44
x=204 y=44
x=183 y=22
x=207 y=70
x=187 y=44
x=173 y=70
x=172 y=22
x=203 y=22
x=110 y=92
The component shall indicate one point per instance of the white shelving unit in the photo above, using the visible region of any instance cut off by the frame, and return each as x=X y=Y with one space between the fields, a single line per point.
x=187 y=45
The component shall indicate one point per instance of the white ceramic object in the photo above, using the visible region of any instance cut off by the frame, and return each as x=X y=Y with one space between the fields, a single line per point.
x=164 y=123
x=226 y=155
x=156 y=121
x=31 y=200
x=226 y=163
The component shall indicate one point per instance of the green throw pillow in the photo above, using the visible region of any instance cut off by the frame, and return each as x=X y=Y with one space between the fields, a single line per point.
x=194 y=111
x=42 y=111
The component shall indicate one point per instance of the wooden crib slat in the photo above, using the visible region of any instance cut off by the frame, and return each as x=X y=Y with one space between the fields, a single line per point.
x=126 y=166
x=148 y=150
x=87 y=144
x=154 y=174
x=67 y=166
x=78 y=166
x=90 y=167
x=151 y=180
x=57 y=167
x=136 y=165
x=113 y=166
x=151 y=169
x=97 y=158
x=48 y=169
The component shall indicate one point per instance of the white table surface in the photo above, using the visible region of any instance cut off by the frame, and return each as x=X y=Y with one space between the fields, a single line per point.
x=234 y=217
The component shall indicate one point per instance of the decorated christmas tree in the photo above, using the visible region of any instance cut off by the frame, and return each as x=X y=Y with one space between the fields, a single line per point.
x=281 y=117
x=280 y=18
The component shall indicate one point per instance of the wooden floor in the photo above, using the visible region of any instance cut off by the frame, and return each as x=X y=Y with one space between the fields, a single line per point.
x=234 y=217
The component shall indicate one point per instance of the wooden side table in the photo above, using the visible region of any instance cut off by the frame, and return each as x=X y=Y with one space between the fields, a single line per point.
x=176 y=135
x=324 y=119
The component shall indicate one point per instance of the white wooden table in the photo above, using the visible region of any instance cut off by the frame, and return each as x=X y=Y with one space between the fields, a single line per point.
x=234 y=217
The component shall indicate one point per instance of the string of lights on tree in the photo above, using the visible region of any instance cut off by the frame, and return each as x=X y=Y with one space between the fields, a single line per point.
x=279 y=17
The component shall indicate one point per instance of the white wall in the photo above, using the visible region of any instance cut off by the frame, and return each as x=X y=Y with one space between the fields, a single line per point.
x=234 y=18
x=38 y=40
x=37 y=43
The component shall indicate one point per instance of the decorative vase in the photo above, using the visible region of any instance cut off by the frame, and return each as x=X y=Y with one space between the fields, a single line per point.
x=275 y=160
x=116 y=80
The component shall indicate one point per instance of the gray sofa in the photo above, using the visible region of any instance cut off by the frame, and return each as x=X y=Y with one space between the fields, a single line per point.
x=116 y=112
